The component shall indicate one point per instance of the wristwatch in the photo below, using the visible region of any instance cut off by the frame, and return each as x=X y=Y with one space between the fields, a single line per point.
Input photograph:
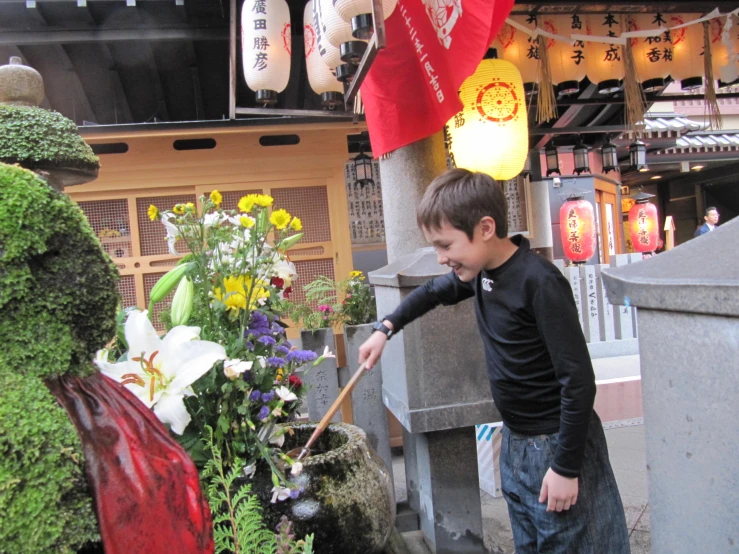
x=382 y=328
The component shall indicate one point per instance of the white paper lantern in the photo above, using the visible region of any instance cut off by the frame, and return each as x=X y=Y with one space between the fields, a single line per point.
x=265 y=44
x=339 y=34
x=491 y=132
x=566 y=60
x=604 y=60
x=359 y=14
x=687 y=45
x=321 y=78
x=328 y=52
x=520 y=49
x=652 y=55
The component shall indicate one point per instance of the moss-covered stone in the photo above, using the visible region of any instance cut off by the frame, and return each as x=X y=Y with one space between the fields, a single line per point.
x=58 y=302
x=40 y=139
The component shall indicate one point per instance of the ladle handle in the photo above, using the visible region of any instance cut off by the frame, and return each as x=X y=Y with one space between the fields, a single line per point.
x=335 y=406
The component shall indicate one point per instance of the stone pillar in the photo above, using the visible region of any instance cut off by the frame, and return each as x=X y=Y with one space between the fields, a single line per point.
x=406 y=174
x=323 y=380
x=541 y=220
x=435 y=382
x=688 y=300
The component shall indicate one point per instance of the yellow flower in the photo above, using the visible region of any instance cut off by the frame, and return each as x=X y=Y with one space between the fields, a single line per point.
x=216 y=198
x=247 y=202
x=280 y=374
x=153 y=212
x=233 y=295
x=190 y=207
x=263 y=200
x=280 y=218
x=355 y=274
x=179 y=209
x=296 y=224
x=246 y=221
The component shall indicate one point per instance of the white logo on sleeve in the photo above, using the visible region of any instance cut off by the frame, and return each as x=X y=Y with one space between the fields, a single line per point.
x=487 y=284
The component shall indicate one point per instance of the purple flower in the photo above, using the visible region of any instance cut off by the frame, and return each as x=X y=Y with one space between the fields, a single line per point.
x=301 y=357
x=267 y=340
x=267 y=396
x=250 y=345
x=276 y=362
x=255 y=395
x=295 y=493
x=258 y=320
x=282 y=349
x=263 y=413
x=277 y=329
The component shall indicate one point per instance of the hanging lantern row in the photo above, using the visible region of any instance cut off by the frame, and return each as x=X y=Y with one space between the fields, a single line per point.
x=491 y=132
x=581 y=49
x=643 y=224
x=577 y=229
x=609 y=157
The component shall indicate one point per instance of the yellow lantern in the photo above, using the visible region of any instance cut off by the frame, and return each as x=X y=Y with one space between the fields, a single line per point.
x=520 y=49
x=604 y=60
x=652 y=55
x=491 y=133
x=687 y=46
x=566 y=60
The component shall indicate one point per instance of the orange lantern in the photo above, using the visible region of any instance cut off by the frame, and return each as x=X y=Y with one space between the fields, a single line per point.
x=604 y=60
x=577 y=229
x=652 y=55
x=687 y=46
x=520 y=49
x=643 y=224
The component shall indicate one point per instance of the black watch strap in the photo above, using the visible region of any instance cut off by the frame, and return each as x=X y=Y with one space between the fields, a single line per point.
x=382 y=328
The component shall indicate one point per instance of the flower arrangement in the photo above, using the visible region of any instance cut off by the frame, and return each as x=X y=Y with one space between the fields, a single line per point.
x=224 y=375
x=356 y=308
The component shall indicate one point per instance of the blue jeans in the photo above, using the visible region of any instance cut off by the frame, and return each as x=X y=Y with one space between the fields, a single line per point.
x=594 y=525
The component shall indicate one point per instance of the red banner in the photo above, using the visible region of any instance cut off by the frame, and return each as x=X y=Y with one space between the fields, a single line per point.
x=432 y=47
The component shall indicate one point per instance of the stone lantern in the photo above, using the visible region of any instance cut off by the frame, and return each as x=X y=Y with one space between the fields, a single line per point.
x=41 y=140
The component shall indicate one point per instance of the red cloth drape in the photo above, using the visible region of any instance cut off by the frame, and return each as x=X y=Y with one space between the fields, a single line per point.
x=146 y=488
x=432 y=47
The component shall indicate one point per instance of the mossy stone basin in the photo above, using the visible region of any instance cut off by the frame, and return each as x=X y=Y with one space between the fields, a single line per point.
x=347 y=499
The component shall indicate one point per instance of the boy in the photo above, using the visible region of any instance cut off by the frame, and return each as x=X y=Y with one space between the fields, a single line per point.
x=555 y=474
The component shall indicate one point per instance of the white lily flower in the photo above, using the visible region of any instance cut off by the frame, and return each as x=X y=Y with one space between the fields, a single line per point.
x=160 y=371
x=172 y=233
x=233 y=369
x=214 y=218
x=285 y=394
x=297 y=469
x=327 y=353
x=250 y=470
x=285 y=271
x=280 y=493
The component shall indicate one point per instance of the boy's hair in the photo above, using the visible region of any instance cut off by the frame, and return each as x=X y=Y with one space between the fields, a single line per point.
x=461 y=198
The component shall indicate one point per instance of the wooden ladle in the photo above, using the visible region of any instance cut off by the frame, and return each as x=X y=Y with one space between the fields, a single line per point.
x=300 y=453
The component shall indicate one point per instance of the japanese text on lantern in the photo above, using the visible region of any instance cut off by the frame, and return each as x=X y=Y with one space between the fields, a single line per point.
x=573 y=223
x=261 y=44
x=643 y=223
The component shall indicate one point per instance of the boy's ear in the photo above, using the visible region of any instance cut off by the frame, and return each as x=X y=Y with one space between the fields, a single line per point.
x=487 y=227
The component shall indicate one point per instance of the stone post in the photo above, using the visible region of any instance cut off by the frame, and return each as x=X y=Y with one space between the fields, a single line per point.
x=406 y=174
x=435 y=382
x=688 y=300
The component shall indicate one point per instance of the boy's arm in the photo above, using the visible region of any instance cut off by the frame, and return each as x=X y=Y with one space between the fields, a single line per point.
x=446 y=290
x=559 y=326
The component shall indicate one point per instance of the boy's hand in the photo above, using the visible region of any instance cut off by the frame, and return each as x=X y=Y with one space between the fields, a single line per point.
x=371 y=349
x=560 y=491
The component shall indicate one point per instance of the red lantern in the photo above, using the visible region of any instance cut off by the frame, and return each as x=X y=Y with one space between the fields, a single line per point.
x=577 y=227
x=644 y=226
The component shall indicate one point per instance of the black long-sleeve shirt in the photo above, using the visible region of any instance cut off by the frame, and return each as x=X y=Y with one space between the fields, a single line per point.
x=538 y=363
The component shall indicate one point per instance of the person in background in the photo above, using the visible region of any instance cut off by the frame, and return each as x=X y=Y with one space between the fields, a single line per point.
x=711 y=218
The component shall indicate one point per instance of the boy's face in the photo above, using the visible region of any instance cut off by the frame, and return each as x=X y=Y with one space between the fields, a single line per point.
x=453 y=248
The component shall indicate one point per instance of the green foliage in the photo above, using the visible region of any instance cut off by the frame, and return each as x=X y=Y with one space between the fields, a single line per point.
x=357 y=307
x=238 y=526
x=57 y=308
x=58 y=294
x=42 y=139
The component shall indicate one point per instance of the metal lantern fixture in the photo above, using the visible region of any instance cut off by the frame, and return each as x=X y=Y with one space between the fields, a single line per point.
x=364 y=169
x=638 y=156
x=491 y=132
x=320 y=77
x=577 y=229
x=359 y=14
x=580 y=152
x=552 y=156
x=266 y=42
x=609 y=156
x=643 y=223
